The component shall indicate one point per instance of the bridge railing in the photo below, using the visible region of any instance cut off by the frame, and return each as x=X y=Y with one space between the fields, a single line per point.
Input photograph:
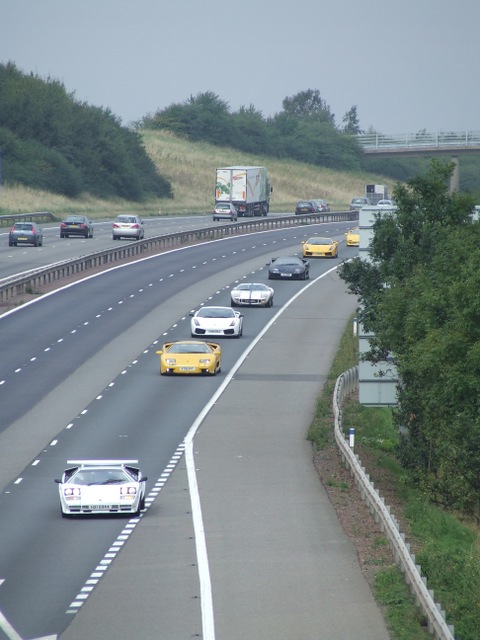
x=419 y=139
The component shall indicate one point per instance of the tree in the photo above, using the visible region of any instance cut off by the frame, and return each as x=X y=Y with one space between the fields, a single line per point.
x=56 y=143
x=351 y=123
x=308 y=105
x=416 y=296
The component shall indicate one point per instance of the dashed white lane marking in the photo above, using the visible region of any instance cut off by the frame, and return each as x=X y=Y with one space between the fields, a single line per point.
x=124 y=535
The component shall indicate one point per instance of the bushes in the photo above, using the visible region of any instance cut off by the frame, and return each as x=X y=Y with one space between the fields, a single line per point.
x=51 y=141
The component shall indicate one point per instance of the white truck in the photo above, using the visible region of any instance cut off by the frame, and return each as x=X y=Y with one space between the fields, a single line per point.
x=247 y=188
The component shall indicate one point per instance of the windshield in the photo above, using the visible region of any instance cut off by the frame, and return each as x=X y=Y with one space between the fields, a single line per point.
x=320 y=241
x=292 y=261
x=185 y=347
x=215 y=312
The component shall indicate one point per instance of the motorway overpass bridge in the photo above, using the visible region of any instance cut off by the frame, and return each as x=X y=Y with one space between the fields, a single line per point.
x=427 y=145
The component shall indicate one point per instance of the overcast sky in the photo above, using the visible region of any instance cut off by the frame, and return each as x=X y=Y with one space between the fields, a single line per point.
x=406 y=64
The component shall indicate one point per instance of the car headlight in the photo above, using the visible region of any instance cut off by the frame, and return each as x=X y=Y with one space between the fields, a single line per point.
x=205 y=360
x=170 y=361
x=128 y=493
x=72 y=493
x=297 y=270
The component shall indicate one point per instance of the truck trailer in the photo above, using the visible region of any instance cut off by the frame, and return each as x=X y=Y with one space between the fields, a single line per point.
x=376 y=192
x=247 y=188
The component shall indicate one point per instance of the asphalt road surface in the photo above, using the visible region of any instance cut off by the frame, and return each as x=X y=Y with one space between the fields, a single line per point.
x=80 y=379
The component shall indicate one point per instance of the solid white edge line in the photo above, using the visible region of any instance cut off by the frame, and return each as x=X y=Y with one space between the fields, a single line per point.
x=206 y=600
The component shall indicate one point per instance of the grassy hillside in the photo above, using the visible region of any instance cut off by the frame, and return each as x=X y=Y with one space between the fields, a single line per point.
x=191 y=169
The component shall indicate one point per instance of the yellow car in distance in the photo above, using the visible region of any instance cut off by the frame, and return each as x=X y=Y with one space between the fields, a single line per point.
x=318 y=247
x=353 y=237
x=190 y=357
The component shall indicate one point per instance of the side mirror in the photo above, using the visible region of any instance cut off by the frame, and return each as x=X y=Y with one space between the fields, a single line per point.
x=58 y=481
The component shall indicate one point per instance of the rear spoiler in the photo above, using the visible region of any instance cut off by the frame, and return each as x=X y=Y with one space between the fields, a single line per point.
x=101 y=463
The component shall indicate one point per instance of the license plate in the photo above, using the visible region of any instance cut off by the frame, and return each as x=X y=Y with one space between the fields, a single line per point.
x=98 y=507
x=286 y=275
x=22 y=238
x=215 y=331
x=187 y=368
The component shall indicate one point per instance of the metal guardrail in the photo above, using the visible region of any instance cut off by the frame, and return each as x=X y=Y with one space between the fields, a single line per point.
x=33 y=280
x=10 y=218
x=417 y=583
x=467 y=139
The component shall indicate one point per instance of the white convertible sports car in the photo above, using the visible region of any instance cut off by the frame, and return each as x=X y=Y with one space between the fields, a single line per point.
x=252 y=294
x=101 y=486
x=216 y=321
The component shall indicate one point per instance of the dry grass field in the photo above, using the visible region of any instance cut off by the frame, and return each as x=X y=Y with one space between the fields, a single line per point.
x=191 y=169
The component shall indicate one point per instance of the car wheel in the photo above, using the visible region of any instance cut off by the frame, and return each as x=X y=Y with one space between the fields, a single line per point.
x=233 y=304
x=308 y=275
x=270 y=303
x=10 y=243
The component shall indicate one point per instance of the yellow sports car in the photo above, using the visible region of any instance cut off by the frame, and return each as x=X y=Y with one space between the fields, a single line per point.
x=190 y=356
x=353 y=237
x=318 y=247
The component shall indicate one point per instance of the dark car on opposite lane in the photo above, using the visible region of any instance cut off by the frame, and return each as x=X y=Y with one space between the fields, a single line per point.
x=305 y=207
x=25 y=233
x=76 y=226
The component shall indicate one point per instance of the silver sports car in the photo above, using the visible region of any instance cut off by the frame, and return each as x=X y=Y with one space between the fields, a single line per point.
x=252 y=294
